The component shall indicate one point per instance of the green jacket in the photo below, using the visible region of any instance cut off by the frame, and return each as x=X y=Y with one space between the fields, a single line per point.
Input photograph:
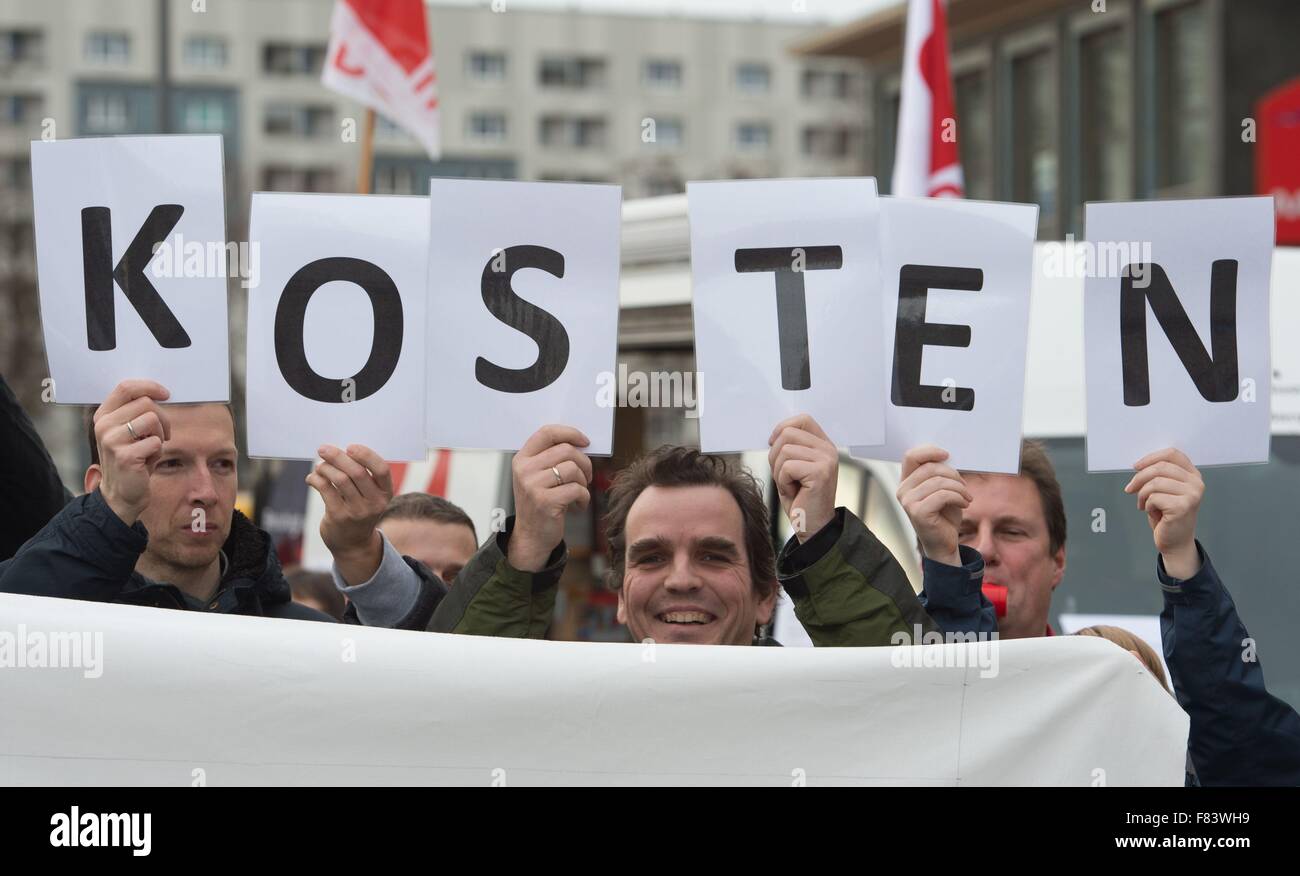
x=848 y=590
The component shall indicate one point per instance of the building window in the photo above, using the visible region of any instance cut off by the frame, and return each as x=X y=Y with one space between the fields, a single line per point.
x=753 y=136
x=669 y=133
x=22 y=47
x=17 y=110
x=278 y=178
x=1182 y=98
x=487 y=127
x=205 y=53
x=572 y=132
x=975 y=133
x=288 y=59
x=1106 y=165
x=658 y=186
x=396 y=179
x=321 y=179
x=487 y=66
x=829 y=142
x=753 y=78
x=15 y=175
x=107 y=114
x=571 y=73
x=830 y=84
x=108 y=48
x=1033 y=127
x=201 y=115
x=887 y=137
x=665 y=75
x=284 y=119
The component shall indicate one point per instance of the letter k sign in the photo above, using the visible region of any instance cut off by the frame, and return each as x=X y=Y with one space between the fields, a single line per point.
x=100 y=274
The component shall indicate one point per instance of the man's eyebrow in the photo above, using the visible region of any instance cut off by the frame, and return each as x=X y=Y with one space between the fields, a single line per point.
x=645 y=545
x=718 y=544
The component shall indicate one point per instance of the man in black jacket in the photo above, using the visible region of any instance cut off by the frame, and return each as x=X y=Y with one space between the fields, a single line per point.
x=157 y=525
x=29 y=481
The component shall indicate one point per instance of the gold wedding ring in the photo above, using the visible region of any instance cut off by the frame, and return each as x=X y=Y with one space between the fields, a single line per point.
x=134 y=437
x=558 y=479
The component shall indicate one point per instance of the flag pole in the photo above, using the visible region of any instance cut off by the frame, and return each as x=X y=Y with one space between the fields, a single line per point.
x=364 y=172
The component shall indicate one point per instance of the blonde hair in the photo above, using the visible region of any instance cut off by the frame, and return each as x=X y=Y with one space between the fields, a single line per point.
x=1129 y=642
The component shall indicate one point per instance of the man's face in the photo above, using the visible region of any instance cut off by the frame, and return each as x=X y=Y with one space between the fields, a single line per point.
x=192 y=489
x=1005 y=523
x=686 y=576
x=444 y=547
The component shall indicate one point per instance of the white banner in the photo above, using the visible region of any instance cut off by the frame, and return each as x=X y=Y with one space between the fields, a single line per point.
x=182 y=698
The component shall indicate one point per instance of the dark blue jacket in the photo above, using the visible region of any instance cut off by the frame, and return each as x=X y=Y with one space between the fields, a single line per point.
x=954 y=595
x=88 y=552
x=1240 y=733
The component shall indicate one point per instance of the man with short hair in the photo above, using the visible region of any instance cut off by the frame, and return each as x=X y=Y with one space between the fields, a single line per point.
x=1013 y=527
x=432 y=530
x=1006 y=531
x=158 y=527
x=692 y=556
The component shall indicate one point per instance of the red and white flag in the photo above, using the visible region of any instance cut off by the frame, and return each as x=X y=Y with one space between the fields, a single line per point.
x=379 y=54
x=926 y=161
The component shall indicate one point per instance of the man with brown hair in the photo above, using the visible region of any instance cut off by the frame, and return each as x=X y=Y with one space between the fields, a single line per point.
x=692 y=557
x=432 y=530
x=1000 y=536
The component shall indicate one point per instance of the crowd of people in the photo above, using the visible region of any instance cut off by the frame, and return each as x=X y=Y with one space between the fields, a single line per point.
x=691 y=555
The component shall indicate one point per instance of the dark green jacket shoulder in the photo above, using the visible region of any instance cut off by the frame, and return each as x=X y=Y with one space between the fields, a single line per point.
x=492 y=598
x=848 y=589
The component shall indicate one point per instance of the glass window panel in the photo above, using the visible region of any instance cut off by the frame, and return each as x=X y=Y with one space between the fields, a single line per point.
x=1106 y=112
x=1182 y=97
x=1033 y=134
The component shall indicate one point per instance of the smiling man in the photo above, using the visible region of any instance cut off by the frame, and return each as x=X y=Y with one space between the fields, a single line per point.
x=691 y=554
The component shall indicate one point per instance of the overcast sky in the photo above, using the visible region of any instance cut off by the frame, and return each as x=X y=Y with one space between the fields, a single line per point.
x=785 y=10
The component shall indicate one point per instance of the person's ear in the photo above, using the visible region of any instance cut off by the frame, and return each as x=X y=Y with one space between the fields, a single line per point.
x=1058 y=560
x=766 y=607
x=621 y=616
x=93 y=476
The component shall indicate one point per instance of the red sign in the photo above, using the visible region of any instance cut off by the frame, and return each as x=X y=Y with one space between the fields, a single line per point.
x=1277 y=164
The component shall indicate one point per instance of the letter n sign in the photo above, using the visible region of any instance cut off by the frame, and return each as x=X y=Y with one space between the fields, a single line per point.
x=1176 y=335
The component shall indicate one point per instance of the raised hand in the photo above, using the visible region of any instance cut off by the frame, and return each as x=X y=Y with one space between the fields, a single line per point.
x=551 y=475
x=130 y=428
x=1170 y=489
x=934 y=494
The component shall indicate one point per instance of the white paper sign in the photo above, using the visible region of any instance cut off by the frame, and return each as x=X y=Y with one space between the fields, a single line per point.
x=1177 y=354
x=435 y=709
x=523 y=311
x=787 y=308
x=957 y=277
x=336 y=343
x=132 y=263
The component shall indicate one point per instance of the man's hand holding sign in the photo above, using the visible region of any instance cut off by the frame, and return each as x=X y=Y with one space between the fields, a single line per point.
x=356 y=487
x=551 y=476
x=934 y=494
x=130 y=429
x=1169 y=489
x=805 y=468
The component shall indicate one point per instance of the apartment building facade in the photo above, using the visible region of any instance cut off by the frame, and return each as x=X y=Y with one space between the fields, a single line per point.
x=1061 y=102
